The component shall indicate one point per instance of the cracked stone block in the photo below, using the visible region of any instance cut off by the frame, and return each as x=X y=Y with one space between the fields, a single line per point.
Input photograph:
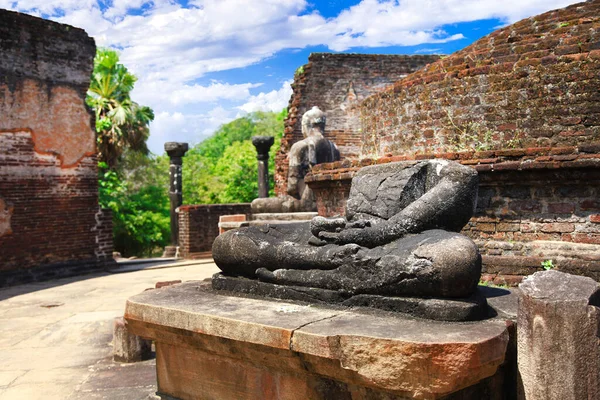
x=128 y=347
x=211 y=345
x=558 y=332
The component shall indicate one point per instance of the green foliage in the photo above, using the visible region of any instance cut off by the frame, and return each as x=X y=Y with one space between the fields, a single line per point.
x=223 y=168
x=492 y=284
x=131 y=184
x=548 y=265
x=121 y=123
x=137 y=195
x=474 y=136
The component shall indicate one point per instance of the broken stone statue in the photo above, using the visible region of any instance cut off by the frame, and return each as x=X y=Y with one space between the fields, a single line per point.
x=399 y=239
x=313 y=149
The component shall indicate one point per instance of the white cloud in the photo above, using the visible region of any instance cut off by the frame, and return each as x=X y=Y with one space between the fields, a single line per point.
x=190 y=128
x=170 y=47
x=275 y=100
x=168 y=94
x=168 y=41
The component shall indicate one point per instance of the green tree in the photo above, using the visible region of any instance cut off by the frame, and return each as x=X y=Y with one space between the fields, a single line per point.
x=137 y=195
x=223 y=168
x=121 y=123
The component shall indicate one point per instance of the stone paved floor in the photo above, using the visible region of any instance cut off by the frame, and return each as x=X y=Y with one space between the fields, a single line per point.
x=56 y=336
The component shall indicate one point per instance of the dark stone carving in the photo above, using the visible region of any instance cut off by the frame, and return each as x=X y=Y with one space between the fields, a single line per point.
x=313 y=149
x=262 y=145
x=400 y=238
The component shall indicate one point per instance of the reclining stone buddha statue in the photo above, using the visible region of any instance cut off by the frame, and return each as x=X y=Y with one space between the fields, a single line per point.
x=313 y=149
x=399 y=238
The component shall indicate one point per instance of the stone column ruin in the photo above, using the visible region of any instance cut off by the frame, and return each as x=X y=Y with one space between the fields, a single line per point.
x=263 y=145
x=557 y=337
x=176 y=151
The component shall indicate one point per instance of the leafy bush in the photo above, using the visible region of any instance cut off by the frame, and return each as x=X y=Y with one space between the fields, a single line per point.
x=139 y=201
x=223 y=168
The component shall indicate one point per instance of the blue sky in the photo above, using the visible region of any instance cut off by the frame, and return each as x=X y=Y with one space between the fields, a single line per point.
x=202 y=63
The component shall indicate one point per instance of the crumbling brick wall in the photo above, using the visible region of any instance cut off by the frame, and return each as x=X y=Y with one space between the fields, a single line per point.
x=531 y=84
x=199 y=225
x=48 y=168
x=337 y=83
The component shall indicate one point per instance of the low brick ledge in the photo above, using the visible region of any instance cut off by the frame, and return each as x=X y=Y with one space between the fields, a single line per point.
x=585 y=156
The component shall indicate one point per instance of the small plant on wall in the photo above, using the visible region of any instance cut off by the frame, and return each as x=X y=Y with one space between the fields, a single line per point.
x=474 y=136
x=470 y=136
x=548 y=265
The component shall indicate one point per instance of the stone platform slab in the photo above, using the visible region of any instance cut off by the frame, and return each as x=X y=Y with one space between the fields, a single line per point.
x=212 y=346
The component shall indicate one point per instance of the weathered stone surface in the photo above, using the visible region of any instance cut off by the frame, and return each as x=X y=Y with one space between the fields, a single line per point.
x=558 y=331
x=214 y=346
x=128 y=347
x=391 y=244
x=472 y=308
x=263 y=145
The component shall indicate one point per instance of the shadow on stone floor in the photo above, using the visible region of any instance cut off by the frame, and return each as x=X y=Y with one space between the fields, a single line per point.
x=114 y=381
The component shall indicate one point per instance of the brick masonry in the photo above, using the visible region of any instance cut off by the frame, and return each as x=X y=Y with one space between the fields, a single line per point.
x=50 y=223
x=531 y=84
x=337 y=83
x=199 y=226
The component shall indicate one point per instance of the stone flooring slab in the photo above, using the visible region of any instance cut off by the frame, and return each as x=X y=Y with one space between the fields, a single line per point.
x=56 y=336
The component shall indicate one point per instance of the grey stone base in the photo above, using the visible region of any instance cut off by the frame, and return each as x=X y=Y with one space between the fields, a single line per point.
x=473 y=308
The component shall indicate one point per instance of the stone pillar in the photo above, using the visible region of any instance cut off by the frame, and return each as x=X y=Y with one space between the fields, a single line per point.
x=263 y=144
x=557 y=339
x=176 y=151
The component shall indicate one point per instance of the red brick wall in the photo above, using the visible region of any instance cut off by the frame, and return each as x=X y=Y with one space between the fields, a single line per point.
x=50 y=224
x=337 y=83
x=199 y=225
x=531 y=84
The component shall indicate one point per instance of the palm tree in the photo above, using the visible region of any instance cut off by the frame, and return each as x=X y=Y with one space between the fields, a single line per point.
x=121 y=123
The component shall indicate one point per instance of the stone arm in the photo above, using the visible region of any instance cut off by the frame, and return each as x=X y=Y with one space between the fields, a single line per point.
x=447 y=205
x=297 y=168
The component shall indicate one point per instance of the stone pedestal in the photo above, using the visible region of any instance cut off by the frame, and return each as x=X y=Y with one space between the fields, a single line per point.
x=558 y=331
x=212 y=346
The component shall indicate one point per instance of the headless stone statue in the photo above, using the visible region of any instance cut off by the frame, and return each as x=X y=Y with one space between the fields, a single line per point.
x=313 y=149
x=399 y=238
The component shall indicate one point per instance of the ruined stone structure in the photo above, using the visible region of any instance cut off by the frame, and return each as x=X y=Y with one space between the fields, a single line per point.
x=337 y=83
x=50 y=222
x=313 y=149
x=521 y=106
x=175 y=151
